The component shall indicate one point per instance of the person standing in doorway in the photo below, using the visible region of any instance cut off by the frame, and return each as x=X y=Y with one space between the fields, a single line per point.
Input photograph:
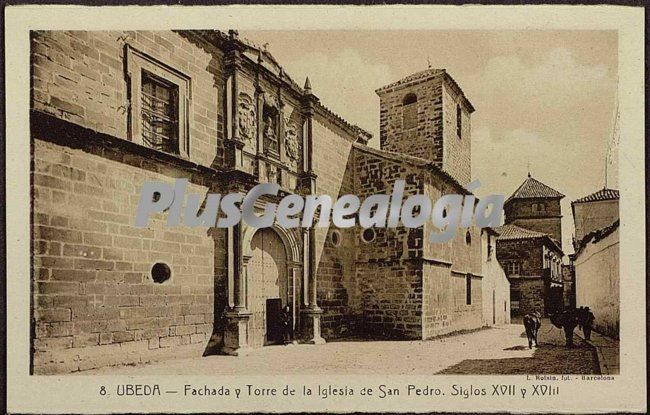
x=285 y=320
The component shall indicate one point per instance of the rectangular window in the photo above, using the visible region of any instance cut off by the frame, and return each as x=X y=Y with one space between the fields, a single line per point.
x=459 y=121
x=159 y=114
x=468 y=289
x=160 y=104
x=513 y=267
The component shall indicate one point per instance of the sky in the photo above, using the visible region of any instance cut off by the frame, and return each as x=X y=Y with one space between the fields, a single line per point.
x=545 y=100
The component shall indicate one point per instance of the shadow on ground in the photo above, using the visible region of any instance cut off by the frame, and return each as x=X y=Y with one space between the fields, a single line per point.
x=517 y=348
x=547 y=358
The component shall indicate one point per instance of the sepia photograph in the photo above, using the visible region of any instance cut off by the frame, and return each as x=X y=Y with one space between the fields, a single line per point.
x=373 y=218
x=536 y=295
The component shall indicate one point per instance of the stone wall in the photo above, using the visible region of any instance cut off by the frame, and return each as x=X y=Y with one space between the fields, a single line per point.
x=333 y=164
x=388 y=270
x=95 y=302
x=434 y=137
x=527 y=295
x=94 y=299
x=528 y=252
x=457 y=152
x=527 y=291
x=520 y=213
x=423 y=140
x=80 y=76
x=446 y=266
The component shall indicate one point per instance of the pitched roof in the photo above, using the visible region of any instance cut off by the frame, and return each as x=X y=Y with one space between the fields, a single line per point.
x=418 y=76
x=534 y=189
x=602 y=194
x=511 y=232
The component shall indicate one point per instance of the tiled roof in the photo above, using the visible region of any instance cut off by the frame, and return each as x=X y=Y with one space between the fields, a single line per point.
x=418 y=76
x=511 y=232
x=534 y=189
x=603 y=194
x=361 y=133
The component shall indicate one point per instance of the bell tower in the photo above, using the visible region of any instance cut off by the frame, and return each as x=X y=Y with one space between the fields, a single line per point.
x=426 y=115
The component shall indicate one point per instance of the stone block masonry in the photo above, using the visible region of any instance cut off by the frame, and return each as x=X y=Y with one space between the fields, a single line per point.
x=388 y=275
x=79 y=76
x=94 y=296
x=434 y=137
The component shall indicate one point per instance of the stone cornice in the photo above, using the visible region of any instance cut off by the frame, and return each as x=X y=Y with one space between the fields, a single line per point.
x=48 y=127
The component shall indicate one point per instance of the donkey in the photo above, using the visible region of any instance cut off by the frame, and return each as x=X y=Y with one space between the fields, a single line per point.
x=532 y=323
x=567 y=320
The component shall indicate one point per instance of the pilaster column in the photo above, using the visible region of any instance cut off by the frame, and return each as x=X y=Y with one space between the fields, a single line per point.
x=311 y=314
x=236 y=330
x=239 y=270
x=233 y=65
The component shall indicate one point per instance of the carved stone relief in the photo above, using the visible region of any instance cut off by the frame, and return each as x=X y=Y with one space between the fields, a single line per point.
x=292 y=147
x=270 y=131
x=247 y=119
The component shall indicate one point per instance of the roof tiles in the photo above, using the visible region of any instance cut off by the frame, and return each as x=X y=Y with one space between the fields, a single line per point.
x=534 y=189
x=509 y=232
x=603 y=194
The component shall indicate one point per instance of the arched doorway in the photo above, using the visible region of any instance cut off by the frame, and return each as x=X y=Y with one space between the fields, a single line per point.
x=267 y=287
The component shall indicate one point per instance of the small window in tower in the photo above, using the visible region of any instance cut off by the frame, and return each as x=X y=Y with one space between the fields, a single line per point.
x=468 y=289
x=459 y=121
x=410 y=111
x=468 y=238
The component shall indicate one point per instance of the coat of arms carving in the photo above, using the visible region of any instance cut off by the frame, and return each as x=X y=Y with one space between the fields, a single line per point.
x=247 y=118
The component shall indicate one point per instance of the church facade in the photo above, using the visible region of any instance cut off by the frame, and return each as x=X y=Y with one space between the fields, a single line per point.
x=111 y=110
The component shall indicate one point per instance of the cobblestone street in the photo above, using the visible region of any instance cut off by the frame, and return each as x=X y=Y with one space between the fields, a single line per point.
x=501 y=350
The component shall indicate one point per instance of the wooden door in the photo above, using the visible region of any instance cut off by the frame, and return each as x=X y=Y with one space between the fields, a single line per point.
x=267 y=276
